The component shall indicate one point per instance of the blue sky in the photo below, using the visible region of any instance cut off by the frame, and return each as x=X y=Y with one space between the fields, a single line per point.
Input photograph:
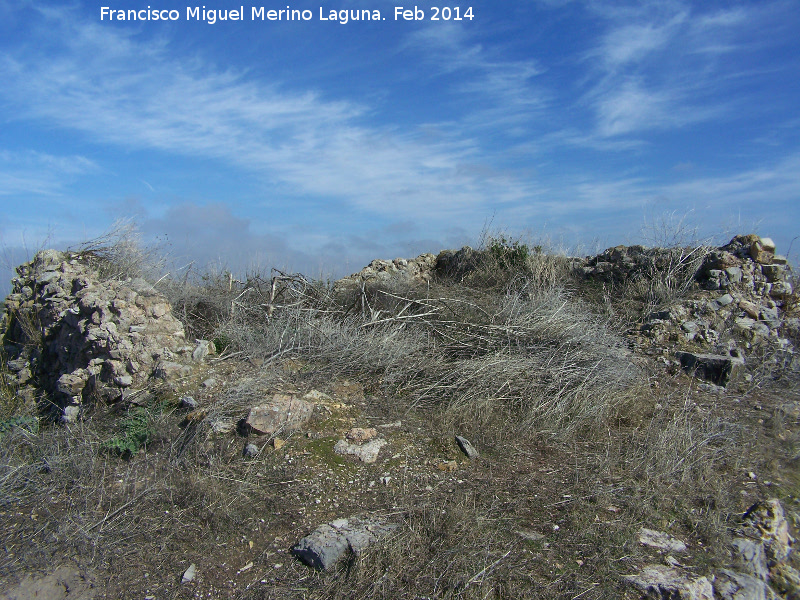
x=317 y=146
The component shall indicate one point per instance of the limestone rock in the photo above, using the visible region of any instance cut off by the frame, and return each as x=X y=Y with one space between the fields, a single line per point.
x=203 y=349
x=189 y=574
x=660 y=540
x=360 y=435
x=786 y=579
x=283 y=413
x=730 y=585
x=93 y=337
x=331 y=542
x=466 y=447
x=713 y=367
x=222 y=426
x=189 y=402
x=67 y=581
x=457 y=264
x=250 y=451
x=766 y=520
x=750 y=557
x=366 y=453
x=399 y=270
x=669 y=583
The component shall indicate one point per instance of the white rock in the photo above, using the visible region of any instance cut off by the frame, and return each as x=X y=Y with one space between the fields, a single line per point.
x=660 y=540
x=367 y=453
x=189 y=574
x=668 y=582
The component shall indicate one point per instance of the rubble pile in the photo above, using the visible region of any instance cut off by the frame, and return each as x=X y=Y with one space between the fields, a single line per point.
x=70 y=336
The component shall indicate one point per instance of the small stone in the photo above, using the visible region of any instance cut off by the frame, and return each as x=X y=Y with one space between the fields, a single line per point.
x=250 y=451
x=331 y=542
x=466 y=447
x=189 y=574
x=209 y=383
x=278 y=443
x=360 y=435
x=123 y=380
x=222 y=426
x=724 y=300
x=734 y=274
x=690 y=326
x=715 y=368
x=781 y=290
x=202 y=350
x=71 y=413
x=317 y=396
x=767 y=244
x=188 y=402
x=533 y=536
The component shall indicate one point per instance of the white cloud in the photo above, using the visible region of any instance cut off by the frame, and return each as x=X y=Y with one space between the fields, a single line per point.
x=633 y=43
x=658 y=66
x=503 y=93
x=30 y=172
x=117 y=90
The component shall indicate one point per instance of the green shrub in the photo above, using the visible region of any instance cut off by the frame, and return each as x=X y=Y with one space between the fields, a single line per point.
x=137 y=429
x=30 y=424
x=509 y=254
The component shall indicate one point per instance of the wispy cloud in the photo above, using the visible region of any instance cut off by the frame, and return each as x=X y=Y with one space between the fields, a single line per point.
x=504 y=93
x=660 y=67
x=116 y=90
x=31 y=172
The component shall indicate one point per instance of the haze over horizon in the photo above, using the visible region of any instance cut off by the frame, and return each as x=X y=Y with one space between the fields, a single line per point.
x=317 y=146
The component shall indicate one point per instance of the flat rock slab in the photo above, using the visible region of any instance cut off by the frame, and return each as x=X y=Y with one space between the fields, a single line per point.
x=359 y=435
x=660 y=540
x=366 y=453
x=750 y=557
x=331 y=542
x=730 y=585
x=667 y=583
x=716 y=368
x=283 y=413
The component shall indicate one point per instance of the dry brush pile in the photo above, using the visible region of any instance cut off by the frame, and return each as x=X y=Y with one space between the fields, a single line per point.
x=528 y=352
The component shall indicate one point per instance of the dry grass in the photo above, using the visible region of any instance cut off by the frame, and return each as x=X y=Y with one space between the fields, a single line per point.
x=579 y=448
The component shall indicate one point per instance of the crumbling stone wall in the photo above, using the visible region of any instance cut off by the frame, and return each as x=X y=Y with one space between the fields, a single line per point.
x=71 y=337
